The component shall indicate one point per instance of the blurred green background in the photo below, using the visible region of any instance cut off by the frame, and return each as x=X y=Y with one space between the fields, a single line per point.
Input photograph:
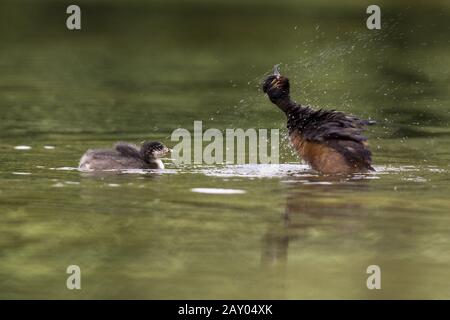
x=140 y=69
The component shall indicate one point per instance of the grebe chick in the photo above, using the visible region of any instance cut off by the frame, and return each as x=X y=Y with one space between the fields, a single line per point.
x=329 y=141
x=125 y=156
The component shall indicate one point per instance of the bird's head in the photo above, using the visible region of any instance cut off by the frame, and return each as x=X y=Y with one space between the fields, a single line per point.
x=153 y=150
x=276 y=86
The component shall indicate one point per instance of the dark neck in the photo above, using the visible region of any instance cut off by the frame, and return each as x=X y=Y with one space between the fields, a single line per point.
x=285 y=104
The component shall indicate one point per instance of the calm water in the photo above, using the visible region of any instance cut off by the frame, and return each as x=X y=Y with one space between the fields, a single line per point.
x=140 y=70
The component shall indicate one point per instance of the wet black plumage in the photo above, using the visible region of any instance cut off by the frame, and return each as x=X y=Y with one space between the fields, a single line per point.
x=318 y=134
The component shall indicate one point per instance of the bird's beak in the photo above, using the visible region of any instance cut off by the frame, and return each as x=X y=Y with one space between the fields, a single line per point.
x=276 y=71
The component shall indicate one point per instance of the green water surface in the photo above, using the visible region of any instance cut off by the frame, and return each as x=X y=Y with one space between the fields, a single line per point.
x=140 y=69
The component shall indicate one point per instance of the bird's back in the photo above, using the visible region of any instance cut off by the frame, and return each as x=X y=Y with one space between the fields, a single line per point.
x=101 y=159
x=331 y=141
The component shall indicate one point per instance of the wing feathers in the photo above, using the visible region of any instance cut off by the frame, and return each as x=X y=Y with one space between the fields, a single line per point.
x=127 y=149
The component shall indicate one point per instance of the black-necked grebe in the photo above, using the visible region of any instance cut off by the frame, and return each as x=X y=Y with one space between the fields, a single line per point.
x=125 y=156
x=330 y=141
